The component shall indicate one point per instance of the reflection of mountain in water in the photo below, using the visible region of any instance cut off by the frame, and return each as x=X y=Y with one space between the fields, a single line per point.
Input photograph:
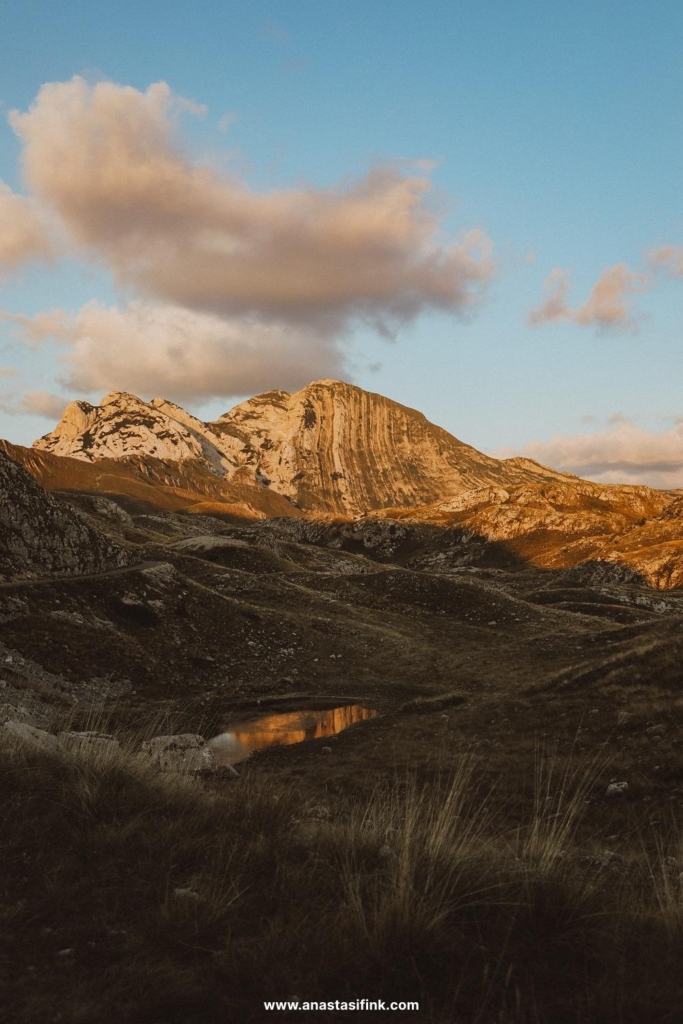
x=282 y=730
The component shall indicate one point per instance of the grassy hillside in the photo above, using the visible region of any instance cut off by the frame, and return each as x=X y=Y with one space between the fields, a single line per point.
x=139 y=898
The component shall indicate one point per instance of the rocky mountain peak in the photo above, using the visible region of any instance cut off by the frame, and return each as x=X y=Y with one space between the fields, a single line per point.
x=330 y=447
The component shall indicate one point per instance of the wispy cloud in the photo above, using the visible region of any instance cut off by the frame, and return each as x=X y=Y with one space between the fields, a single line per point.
x=668 y=258
x=607 y=305
x=34 y=403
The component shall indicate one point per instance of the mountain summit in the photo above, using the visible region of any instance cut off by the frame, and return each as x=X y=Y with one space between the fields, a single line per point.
x=330 y=447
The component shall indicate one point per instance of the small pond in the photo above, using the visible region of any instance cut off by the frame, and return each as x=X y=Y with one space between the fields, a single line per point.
x=281 y=729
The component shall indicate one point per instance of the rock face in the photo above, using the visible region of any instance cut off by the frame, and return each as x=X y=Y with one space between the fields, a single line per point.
x=330 y=447
x=41 y=536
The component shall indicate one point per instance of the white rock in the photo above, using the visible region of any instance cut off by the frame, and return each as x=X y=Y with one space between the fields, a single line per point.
x=182 y=754
x=616 y=789
x=29 y=734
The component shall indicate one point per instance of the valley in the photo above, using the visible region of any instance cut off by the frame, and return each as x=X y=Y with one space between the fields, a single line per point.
x=534 y=619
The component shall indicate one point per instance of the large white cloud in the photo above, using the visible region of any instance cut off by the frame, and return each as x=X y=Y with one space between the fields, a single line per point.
x=108 y=161
x=607 y=305
x=623 y=454
x=234 y=291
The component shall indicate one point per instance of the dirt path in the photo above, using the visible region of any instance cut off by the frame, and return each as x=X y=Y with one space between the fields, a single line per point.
x=138 y=567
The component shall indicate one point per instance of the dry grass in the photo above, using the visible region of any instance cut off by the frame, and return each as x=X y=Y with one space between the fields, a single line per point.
x=415 y=893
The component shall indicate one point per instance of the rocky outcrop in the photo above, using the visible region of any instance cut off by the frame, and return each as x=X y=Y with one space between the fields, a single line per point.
x=617 y=531
x=41 y=536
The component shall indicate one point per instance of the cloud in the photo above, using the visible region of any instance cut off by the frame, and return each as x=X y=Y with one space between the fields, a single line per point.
x=107 y=160
x=149 y=348
x=668 y=258
x=22 y=234
x=8 y=371
x=36 y=329
x=623 y=454
x=34 y=403
x=607 y=305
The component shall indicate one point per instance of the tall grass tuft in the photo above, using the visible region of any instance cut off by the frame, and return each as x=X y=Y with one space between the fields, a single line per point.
x=143 y=898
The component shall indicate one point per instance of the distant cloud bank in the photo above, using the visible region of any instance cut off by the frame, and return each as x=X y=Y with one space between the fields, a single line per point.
x=623 y=454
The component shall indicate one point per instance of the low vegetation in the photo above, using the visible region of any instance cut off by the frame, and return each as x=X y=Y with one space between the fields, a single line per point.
x=133 y=897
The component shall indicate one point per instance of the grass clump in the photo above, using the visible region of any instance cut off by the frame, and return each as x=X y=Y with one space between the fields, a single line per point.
x=134 y=897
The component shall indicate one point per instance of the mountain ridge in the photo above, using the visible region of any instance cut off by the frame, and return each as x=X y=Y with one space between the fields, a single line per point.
x=330 y=447
x=356 y=462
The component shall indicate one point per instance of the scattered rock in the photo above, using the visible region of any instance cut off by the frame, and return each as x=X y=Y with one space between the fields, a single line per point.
x=655 y=730
x=623 y=718
x=327 y=750
x=617 y=789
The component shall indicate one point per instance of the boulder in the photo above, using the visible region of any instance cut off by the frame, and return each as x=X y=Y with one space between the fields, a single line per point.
x=183 y=754
x=31 y=735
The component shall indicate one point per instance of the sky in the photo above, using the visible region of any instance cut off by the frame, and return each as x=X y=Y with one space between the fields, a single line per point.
x=476 y=210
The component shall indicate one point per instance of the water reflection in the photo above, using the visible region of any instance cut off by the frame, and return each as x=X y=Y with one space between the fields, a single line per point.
x=281 y=730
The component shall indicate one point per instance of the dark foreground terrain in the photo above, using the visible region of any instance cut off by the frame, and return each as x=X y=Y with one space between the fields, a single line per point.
x=463 y=848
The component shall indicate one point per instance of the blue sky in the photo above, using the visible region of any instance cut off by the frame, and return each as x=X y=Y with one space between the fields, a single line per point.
x=555 y=129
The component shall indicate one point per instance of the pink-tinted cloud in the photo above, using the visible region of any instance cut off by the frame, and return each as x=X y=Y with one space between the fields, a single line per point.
x=34 y=403
x=623 y=454
x=150 y=348
x=22 y=234
x=607 y=305
x=668 y=258
x=108 y=161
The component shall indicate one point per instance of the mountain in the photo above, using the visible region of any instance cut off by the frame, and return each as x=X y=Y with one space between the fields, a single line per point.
x=333 y=453
x=42 y=536
x=330 y=447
